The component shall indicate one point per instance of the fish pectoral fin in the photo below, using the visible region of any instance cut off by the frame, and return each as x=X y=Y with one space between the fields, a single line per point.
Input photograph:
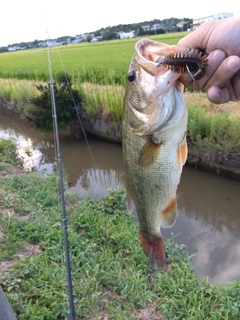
x=168 y=215
x=182 y=152
x=149 y=153
x=154 y=250
x=130 y=202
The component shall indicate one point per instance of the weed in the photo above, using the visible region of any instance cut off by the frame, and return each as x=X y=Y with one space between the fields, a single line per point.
x=18 y=90
x=214 y=136
x=109 y=270
x=7 y=152
x=103 y=100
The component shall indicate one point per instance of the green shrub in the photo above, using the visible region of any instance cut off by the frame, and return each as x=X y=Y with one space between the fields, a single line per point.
x=67 y=101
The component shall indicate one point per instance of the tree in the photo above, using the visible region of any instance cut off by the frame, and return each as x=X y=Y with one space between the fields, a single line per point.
x=89 y=38
x=110 y=36
x=3 y=49
x=35 y=43
x=140 y=32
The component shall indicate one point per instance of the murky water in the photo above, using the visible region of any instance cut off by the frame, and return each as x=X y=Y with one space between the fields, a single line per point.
x=209 y=206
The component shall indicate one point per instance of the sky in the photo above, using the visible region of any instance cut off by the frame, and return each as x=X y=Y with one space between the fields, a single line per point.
x=28 y=20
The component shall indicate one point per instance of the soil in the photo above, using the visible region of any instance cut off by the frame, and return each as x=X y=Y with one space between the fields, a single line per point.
x=10 y=169
x=227 y=165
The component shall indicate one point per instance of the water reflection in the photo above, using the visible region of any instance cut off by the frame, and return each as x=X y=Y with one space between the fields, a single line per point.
x=209 y=216
x=209 y=223
x=95 y=182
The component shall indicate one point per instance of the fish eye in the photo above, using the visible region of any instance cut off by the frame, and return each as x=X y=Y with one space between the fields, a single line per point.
x=131 y=76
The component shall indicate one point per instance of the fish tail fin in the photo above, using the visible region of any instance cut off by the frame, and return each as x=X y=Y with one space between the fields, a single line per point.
x=154 y=250
x=168 y=215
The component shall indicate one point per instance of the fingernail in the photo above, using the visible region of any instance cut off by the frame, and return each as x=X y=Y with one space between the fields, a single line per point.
x=233 y=63
x=218 y=56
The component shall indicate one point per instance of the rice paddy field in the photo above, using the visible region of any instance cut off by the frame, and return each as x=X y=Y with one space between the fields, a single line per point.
x=99 y=70
x=102 y=62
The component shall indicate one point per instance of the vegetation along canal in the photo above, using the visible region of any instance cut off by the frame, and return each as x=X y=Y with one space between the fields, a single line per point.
x=208 y=205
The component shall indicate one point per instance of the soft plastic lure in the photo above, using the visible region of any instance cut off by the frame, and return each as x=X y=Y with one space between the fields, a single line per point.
x=193 y=61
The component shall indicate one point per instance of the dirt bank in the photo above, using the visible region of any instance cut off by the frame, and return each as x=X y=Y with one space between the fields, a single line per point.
x=221 y=163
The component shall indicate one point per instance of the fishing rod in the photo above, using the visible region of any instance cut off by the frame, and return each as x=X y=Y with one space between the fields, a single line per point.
x=64 y=216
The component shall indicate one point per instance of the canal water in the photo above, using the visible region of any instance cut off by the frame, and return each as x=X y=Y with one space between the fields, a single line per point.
x=208 y=219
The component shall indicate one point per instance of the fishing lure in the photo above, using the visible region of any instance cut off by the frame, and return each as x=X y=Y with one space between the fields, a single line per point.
x=194 y=61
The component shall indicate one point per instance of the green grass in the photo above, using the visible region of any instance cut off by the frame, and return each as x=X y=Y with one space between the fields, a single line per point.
x=7 y=152
x=110 y=273
x=213 y=132
x=18 y=90
x=103 y=101
x=102 y=62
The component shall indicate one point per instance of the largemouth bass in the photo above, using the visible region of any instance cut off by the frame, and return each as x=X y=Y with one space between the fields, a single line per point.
x=154 y=144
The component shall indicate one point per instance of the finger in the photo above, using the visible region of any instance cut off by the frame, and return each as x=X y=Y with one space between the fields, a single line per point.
x=230 y=92
x=235 y=83
x=224 y=73
x=217 y=95
x=215 y=58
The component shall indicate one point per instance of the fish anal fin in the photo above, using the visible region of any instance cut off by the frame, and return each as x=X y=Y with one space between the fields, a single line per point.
x=149 y=153
x=182 y=152
x=154 y=250
x=168 y=215
x=130 y=202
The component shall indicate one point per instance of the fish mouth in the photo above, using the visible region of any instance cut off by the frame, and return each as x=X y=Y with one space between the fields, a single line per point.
x=150 y=54
x=160 y=110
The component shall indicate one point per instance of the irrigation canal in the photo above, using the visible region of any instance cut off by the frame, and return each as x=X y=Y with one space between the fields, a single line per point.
x=208 y=220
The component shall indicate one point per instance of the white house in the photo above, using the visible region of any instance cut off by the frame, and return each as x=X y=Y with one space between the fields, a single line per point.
x=12 y=48
x=217 y=16
x=51 y=43
x=146 y=28
x=156 y=26
x=222 y=15
x=181 y=24
x=77 y=40
x=126 y=35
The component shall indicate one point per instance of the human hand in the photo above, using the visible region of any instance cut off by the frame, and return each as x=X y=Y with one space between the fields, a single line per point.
x=221 y=41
